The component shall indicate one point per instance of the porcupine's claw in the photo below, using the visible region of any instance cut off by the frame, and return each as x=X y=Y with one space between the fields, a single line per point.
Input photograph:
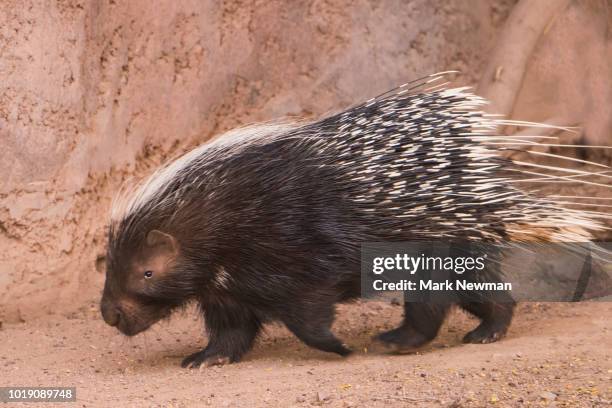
x=402 y=340
x=204 y=359
x=483 y=335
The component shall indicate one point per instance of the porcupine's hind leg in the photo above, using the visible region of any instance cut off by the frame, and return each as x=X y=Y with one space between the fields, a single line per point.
x=311 y=320
x=495 y=309
x=421 y=324
x=495 y=320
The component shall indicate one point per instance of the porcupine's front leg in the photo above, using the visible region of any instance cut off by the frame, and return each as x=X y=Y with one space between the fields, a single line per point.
x=231 y=331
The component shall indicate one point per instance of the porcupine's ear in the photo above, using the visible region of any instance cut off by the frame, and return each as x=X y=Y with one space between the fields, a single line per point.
x=162 y=242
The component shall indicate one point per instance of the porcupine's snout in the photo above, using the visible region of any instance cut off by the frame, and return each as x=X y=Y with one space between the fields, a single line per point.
x=110 y=313
x=131 y=317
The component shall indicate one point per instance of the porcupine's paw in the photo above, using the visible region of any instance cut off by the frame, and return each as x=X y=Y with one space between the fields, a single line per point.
x=402 y=340
x=203 y=359
x=495 y=320
x=485 y=334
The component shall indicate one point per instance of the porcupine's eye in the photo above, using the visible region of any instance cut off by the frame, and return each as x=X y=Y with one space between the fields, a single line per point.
x=148 y=274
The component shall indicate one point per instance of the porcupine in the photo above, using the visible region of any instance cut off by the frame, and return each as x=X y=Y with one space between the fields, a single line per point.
x=265 y=223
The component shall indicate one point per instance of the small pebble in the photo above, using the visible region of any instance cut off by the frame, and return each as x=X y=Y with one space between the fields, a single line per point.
x=321 y=396
x=547 y=395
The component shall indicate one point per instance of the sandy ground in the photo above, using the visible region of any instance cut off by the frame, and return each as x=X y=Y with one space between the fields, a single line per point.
x=555 y=355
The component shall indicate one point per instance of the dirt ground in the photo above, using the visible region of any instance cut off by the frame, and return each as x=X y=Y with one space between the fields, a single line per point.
x=555 y=355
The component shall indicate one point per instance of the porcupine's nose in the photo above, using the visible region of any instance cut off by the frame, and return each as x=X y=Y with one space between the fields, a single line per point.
x=110 y=313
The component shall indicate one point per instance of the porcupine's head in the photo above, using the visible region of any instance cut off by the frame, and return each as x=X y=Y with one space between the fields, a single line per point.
x=139 y=287
x=148 y=273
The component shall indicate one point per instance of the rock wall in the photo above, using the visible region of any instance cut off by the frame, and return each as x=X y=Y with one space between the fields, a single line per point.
x=94 y=92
